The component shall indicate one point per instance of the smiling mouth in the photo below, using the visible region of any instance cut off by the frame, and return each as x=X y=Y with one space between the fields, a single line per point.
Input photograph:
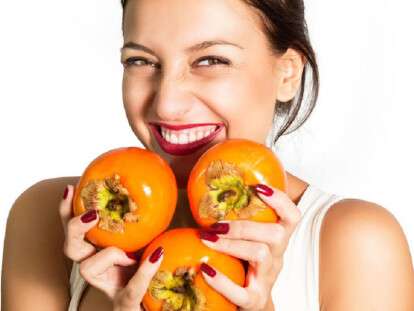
x=185 y=139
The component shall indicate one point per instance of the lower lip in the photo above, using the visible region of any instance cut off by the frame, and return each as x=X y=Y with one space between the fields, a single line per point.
x=184 y=149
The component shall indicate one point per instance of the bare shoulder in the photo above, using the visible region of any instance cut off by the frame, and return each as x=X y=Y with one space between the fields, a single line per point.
x=33 y=260
x=41 y=196
x=365 y=262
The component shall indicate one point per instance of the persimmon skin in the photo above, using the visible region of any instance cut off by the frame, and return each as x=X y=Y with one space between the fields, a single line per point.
x=183 y=247
x=259 y=163
x=150 y=183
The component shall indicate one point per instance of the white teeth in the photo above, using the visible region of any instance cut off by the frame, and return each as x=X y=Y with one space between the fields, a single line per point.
x=192 y=137
x=200 y=135
x=174 y=139
x=183 y=139
x=187 y=135
x=208 y=132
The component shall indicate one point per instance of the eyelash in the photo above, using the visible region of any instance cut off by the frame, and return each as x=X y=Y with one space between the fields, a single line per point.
x=221 y=61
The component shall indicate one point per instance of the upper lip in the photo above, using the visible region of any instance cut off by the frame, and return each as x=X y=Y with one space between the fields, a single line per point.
x=182 y=126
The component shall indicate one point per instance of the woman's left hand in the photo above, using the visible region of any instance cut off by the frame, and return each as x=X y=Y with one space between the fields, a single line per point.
x=261 y=244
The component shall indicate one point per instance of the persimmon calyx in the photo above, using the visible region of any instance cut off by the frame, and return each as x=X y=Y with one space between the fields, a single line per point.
x=228 y=192
x=177 y=290
x=112 y=201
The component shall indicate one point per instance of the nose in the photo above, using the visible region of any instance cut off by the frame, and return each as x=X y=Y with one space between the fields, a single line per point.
x=172 y=100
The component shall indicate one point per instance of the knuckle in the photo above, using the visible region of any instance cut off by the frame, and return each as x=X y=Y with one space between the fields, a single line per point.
x=260 y=300
x=84 y=270
x=66 y=250
x=251 y=302
x=225 y=243
x=296 y=215
x=72 y=225
x=277 y=236
x=62 y=210
x=69 y=253
x=73 y=221
x=114 y=252
x=237 y=229
x=262 y=253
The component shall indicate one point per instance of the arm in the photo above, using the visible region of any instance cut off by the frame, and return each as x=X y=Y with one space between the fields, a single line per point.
x=35 y=273
x=364 y=259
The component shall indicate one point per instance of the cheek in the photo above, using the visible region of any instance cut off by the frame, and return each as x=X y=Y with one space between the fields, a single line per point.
x=243 y=100
x=134 y=93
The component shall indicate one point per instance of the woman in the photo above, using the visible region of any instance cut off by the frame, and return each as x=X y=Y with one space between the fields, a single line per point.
x=207 y=63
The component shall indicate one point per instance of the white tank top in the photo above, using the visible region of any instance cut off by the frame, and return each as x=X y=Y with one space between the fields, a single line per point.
x=297 y=286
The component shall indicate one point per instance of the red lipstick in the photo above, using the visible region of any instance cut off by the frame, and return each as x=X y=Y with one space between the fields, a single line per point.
x=183 y=149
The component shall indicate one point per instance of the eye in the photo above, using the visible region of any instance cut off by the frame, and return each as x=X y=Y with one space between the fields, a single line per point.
x=138 y=61
x=213 y=60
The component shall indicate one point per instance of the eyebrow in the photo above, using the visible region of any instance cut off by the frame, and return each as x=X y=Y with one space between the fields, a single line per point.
x=196 y=47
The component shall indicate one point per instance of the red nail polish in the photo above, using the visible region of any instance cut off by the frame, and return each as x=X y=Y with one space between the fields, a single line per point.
x=209 y=236
x=89 y=216
x=219 y=228
x=208 y=269
x=65 y=194
x=131 y=255
x=156 y=255
x=263 y=189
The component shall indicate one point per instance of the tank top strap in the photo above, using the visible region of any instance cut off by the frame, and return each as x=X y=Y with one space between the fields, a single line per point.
x=297 y=286
x=77 y=287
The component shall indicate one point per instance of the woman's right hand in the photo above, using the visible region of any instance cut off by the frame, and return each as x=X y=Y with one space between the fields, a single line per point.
x=110 y=269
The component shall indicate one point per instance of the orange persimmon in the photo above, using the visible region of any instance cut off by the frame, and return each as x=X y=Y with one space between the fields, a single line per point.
x=178 y=284
x=134 y=192
x=220 y=185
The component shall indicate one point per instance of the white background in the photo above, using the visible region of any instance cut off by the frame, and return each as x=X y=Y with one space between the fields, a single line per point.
x=60 y=82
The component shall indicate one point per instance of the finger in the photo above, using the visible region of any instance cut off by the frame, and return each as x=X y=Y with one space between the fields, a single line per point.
x=273 y=234
x=96 y=265
x=254 y=252
x=75 y=247
x=288 y=212
x=65 y=206
x=222 y=284
x=137 y=286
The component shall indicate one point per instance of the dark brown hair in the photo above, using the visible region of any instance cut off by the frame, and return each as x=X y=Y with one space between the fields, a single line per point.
x=285 y=27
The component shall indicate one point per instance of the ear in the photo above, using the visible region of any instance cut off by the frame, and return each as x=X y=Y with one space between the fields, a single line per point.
x=290 y=66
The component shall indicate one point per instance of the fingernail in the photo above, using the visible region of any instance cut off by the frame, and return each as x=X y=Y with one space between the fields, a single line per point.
x=89 y=216
x=208 y=269
x=156 y=255
x=219 y=228
x=209 y=236
x=65 y=194
x=263 y=189
x=132 y=255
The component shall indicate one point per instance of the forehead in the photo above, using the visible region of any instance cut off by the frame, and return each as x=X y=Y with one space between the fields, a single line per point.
x=189 y=20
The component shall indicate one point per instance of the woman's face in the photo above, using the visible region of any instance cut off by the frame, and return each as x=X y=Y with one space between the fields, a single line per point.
x=194 y=63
